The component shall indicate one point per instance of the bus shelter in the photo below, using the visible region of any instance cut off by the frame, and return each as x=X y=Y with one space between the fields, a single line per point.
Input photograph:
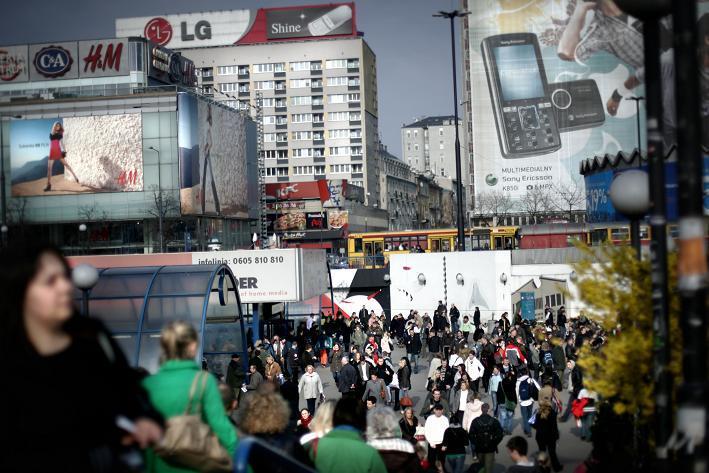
x=136 y=303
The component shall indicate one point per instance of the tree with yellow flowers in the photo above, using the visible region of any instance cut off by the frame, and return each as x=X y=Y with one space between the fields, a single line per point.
x=616 y=289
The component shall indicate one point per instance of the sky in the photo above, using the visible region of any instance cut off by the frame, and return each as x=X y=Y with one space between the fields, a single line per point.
x=412 y=48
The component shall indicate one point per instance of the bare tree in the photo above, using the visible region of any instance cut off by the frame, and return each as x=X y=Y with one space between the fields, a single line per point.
x=536 y=202
x=495 y=203
x=164 y=204
x=569 y=197
x=17 y=213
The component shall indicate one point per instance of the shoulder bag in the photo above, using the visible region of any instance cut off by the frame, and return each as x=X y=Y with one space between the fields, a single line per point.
x=189 y=442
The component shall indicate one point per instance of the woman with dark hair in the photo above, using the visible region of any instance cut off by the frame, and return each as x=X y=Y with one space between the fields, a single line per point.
x=56 y=356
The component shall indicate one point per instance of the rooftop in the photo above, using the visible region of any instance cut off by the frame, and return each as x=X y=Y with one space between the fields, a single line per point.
x=432 y=121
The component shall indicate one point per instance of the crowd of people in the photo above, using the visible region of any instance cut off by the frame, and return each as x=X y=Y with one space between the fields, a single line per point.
x=110 y=417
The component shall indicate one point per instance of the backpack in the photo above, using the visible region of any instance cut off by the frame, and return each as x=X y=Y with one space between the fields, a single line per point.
x=512 y=355
x=548 y=360
x=487 y=435
x=533 y=390
x=524 y=391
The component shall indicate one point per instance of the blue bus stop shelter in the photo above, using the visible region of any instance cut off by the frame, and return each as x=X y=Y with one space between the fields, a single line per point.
x=136 y=303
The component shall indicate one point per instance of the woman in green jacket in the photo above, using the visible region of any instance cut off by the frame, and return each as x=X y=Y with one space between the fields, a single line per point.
x=169 y=391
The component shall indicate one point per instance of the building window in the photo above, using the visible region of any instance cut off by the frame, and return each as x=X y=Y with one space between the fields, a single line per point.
x=280 y=85
x=316 y=83
x=440 y=132
x=269 y=137
x=276 y=154
x=339 y=151
x=303 y=152
x=268 y=103
x=335 y=81
x=355 y=116
x=357 y=168
x=337 y=98
x=270 y=171
x=244 y=87
x=320 y=169
x=281 y=137
x=272 y=67
x=316 y=65
x=299 y=83
x=356 y=150
x=269 y=120
x=339 y=168
x=441 y=145
x=282 y=171
x=318 y=117
x=281 y=103
x=416 y=147
x=338 y=116
x=353 y=63
x=302 y=135
x=228 y=70
x=302 y=117
x=302 y=170
x=338 y=133
x=228 y=87
x=318 y=100
x=300 y=66
x=300 y=100
x=353 y=82
x=356 y=133
x=318 y=135
x=243 y=70
x=353 y=97
x=336 y=64
x=281 y=120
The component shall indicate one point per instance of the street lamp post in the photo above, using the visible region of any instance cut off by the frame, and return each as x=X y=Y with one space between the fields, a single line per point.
x=4 y=229
x=452 y=15
x=85 y=278
x=83 y=238
x=635 y=223
x=630 y=194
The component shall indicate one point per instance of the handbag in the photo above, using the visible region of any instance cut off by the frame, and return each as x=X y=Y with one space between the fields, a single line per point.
x=406 y=401
x=189 y=442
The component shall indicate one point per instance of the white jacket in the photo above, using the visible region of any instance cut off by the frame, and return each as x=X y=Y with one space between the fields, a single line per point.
x=473 y=410
x=474 y=368
x=435 y=428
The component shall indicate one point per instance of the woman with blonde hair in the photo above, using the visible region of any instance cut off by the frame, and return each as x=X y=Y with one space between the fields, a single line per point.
x=310 y=387
x=547 y=432
x=57 y=152
x=169 y=390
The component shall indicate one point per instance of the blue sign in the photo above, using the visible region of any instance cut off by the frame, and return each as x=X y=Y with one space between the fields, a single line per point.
x=527 y=305
x=53 y=61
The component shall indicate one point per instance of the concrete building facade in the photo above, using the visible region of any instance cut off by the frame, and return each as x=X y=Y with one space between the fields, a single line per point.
x=428 y=145
x=398 y=191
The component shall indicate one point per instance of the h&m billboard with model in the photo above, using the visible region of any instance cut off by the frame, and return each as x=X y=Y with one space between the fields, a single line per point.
x=76 y=155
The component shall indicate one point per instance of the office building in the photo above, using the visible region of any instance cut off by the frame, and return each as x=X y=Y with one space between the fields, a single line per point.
x=398 y=191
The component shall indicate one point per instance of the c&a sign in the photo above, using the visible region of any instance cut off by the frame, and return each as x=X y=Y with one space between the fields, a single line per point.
x=53 y=61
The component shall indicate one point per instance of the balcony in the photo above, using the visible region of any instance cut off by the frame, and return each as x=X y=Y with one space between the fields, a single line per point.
x=241 y=76
x=280 y=91
x=283 y=179
x=355 y=123
x=316 y=90
x=353 y=87
x=281 y=109
x=317 y=107
x=282 y=161
x=279 y=74
x=319 y=142
x=316 y=72
x=319 y=159
x=355 y=140
x=244 y=93
x=356 y=104
x=357 y=175
x=318 y=124
x=282 y=126
x=352 y=70
x=282 y=144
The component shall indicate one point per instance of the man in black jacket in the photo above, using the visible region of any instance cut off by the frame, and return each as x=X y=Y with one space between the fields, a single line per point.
x=576 y=379
x=454 y=315
x=434 y=344
x=348 y=379
x=476 y=317
x=235 y=374
x=363 y=317
x=486 y=434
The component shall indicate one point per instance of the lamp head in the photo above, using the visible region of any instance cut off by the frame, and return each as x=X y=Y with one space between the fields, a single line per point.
x=84 y=276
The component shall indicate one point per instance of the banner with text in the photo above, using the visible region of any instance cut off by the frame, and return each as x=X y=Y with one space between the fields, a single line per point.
x=557 y=81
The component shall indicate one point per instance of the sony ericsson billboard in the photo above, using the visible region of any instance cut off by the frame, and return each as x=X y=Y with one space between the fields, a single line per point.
x=555 y=87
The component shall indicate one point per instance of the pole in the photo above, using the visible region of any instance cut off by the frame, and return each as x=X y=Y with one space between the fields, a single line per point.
x=85 y=302
x=692 y=264
x=3 y=197
x=635 y=222
x=658 y=245
x=458 y=172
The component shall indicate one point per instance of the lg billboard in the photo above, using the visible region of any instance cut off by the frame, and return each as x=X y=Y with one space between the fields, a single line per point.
x=224 y=28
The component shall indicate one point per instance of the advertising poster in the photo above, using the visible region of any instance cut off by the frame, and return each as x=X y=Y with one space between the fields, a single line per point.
x=554 y=86
x=316 y=221
x=327 y=20
x=75 y=155
x=13 y=64
x=337 y=219
x=212 y=155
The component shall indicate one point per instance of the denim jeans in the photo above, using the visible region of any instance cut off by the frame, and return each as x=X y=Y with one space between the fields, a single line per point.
x=506 y=418
x=526 y=414
x=586 y=423
x=493 y=396
x=413 y=359
x=455 y=463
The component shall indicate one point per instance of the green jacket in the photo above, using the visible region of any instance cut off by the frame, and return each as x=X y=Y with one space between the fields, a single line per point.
x=169 y=392
x=343 y=450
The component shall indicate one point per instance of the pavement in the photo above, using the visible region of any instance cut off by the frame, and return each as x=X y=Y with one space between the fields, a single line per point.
x=571 y=449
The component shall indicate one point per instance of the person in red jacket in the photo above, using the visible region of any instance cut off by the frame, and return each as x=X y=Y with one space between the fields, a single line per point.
x=514 y=354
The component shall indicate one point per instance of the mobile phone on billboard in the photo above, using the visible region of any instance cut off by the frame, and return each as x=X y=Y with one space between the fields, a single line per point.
x=524 y=115
x=577 y=104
